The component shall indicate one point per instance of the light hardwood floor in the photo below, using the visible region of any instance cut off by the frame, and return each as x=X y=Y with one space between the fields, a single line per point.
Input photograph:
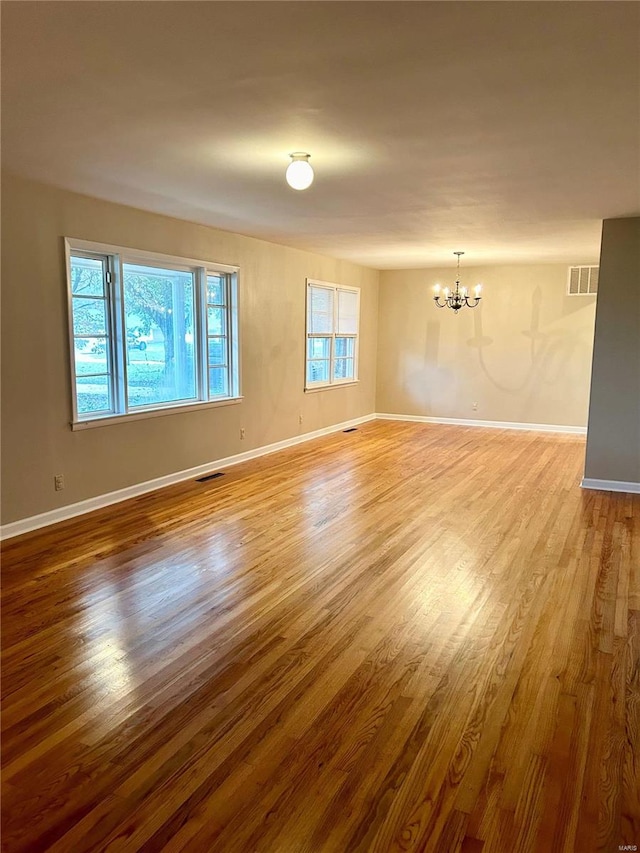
x=408 y=637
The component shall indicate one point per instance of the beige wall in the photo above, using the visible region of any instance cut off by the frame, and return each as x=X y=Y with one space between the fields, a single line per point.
x=36 y=387
x=613 y=440
x=524 y=355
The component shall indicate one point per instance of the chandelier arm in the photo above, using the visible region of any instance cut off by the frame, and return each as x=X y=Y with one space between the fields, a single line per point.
x=475 y=302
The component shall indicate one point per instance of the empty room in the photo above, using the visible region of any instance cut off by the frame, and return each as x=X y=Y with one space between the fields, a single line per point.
x=320 y=426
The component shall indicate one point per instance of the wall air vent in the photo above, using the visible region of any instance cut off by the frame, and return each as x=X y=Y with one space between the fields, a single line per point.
x=582 y=281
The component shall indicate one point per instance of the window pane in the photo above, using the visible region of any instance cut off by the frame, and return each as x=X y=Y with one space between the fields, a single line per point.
x=215 y=289
x=320 y=310
x=93 y=394
x=345 y=347
x=158 y=307
x=91 y=355
x=343 y=368
x=347 y=312
x=218 y=385
x=89 y=316
x=87 y=276
x=318 y=347
x=217 y=351
x=215 y=321
x=317 y=371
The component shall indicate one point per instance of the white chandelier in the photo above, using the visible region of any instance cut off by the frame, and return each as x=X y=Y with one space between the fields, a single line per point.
x=458 y=298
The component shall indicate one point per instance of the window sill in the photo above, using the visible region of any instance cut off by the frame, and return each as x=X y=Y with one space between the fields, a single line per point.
x=313 y=389
x=153 y=413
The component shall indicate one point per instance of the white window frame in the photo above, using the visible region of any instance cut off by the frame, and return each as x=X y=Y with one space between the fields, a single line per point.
x=332 y=383
x=115 y=257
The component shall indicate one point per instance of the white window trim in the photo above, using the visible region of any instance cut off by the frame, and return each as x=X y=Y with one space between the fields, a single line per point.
x=337 y=383
x=140 y=254
x=199 y=267
x=168 y=409
x=342 y=383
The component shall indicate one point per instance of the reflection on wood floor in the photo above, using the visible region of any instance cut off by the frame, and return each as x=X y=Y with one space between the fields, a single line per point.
x=408 y=637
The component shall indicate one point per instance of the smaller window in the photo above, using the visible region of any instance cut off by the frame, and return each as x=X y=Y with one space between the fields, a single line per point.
x=92 y=335
x=218 y=335
x=333 y=321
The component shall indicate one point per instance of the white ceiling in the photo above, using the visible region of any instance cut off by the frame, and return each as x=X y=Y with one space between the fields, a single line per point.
x=506 y=129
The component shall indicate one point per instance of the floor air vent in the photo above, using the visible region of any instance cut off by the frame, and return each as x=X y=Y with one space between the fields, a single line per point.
x=351 y=429
x=210 y=477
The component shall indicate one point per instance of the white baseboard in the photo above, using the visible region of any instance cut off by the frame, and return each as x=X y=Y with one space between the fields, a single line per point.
x=423 y=419
x=44 y=519
x=611 y=485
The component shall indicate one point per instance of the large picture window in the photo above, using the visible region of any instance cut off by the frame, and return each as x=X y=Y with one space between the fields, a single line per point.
x=333 y=320
x=149 y=332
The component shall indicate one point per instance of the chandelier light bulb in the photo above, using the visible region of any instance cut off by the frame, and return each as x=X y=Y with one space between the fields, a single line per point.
x=299 y=173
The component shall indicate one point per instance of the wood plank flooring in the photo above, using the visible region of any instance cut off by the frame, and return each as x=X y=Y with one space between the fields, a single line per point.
x=409 y=637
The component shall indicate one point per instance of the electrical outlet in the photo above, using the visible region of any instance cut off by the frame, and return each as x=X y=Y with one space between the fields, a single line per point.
x=300 y=419
x=242 y=432
x=474 y=406
x=58 y=482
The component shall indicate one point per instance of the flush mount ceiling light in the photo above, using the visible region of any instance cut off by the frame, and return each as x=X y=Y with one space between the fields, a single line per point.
x=299 y=173
x=457 y=298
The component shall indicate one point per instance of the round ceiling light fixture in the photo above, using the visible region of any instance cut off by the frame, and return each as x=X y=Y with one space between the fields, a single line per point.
x=299 y=173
